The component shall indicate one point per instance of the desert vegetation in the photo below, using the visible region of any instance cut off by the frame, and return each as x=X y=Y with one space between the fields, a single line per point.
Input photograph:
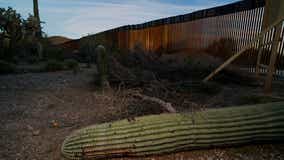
x=25 y=48
x=90 y=98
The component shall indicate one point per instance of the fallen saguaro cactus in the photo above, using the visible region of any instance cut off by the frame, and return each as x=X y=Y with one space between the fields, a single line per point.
x=157 y=134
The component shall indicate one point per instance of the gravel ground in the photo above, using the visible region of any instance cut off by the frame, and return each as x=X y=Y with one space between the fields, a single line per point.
x=39 y=110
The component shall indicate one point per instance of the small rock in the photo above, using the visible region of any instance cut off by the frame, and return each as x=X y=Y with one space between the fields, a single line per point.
x=36 y=132
x=51 y=106
x=54 y=124
x=210 y=158
x=30 y=127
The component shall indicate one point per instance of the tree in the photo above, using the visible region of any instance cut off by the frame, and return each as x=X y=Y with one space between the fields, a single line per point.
x=19 y=37
x=10 y=24
x=31 y=27
x=31 y=38
x=11 y=30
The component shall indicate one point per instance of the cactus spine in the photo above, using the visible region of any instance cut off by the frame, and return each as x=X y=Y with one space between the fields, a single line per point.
x=157 y=134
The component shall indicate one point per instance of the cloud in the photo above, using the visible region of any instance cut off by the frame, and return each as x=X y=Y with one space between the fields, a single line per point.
x=91 y=16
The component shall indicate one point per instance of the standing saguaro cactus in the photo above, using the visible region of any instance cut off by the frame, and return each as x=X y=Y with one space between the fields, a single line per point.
x=157 y=134
x=102 y=60
x=36 y=15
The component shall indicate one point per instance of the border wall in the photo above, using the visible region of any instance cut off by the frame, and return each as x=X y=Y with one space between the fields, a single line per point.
x=238 y=22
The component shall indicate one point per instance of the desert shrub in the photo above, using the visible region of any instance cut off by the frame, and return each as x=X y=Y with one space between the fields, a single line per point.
x=87 y=49
x=88 y=45
x=248 y=57
x=188 y=61
x=209 y=88
x=221 y=48
x=138 y=48
x=53 y=65
x=71 y=64
x=6 y=67
x=204 y=88
x=17 y=41
x=32 y=59
x=116 y=51
x=51 y=52
x=36 y=68
x=256 y=99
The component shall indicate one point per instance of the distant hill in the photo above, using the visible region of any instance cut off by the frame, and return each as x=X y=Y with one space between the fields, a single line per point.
x=56 y=40
x=72 y=44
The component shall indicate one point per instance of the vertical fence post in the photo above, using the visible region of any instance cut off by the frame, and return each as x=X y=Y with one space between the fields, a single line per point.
x=274 y=10
x=273 y=57
x=259 y=56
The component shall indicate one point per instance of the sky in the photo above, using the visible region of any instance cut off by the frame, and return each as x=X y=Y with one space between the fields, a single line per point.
x=77 y=18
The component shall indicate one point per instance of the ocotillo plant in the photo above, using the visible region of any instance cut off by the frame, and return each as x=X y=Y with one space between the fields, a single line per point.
x=158 y=134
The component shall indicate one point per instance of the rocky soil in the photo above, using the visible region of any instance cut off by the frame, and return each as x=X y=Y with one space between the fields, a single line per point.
x=38 y=110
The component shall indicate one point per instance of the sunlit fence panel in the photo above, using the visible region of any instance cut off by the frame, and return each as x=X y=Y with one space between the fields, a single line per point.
x=234 y=25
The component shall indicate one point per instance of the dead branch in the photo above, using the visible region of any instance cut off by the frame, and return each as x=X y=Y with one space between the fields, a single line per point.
x=166 y=105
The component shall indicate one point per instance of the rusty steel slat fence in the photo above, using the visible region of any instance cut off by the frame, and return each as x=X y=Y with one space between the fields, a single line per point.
x=265 y=49
x=234 y=24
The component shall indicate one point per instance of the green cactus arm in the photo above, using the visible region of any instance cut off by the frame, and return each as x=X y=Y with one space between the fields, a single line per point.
x=157 y=134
